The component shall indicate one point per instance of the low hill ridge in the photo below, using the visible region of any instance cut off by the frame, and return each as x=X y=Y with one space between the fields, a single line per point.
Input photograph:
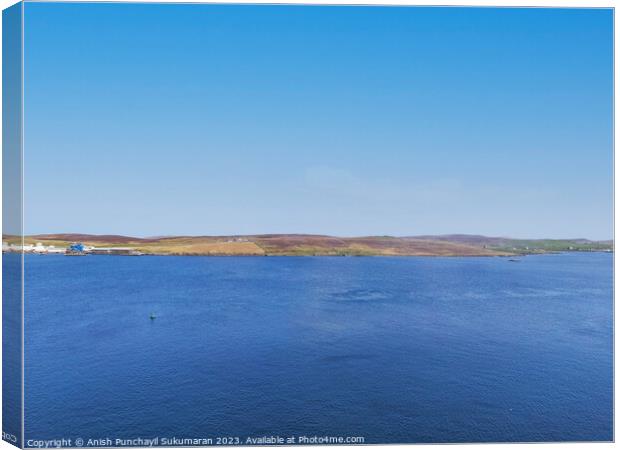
x=309 y=244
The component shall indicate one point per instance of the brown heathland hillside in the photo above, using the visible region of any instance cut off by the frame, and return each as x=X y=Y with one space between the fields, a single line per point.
x=272 y=244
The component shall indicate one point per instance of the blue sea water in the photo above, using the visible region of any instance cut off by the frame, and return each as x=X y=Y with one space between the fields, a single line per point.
x=395 y=350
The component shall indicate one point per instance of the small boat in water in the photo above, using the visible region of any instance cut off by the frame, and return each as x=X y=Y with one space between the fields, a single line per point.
x=514 y=260
x=152 y=316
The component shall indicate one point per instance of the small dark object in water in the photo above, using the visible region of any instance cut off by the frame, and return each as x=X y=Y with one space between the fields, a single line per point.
x=514 y=260
x=152 y=316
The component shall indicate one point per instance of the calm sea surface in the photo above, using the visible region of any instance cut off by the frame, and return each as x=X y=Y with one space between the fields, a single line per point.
x=391 y=349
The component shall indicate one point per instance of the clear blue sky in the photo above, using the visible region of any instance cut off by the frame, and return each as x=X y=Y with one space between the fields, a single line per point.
x=212 y=119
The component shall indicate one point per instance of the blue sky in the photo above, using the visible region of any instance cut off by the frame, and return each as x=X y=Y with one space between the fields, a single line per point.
x=221 y=119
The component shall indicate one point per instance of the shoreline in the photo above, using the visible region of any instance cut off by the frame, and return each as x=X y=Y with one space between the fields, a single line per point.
x=282 y=255
x=457 y=245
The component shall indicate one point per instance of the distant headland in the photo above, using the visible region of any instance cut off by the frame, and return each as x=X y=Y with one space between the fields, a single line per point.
x=299 y=245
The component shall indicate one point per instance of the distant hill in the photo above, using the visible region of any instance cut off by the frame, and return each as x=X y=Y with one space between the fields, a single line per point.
x=470 y=239
x=522 y=245
x=75 y=237
x=307 y=244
